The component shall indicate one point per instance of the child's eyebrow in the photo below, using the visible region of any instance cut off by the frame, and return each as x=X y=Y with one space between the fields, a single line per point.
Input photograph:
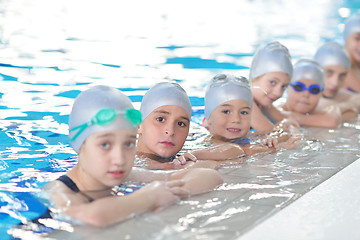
x=229 y=105
x=225 y=105
x=105 y=135
x=111 y=135
x=167 y=113
x=161 y=111
x=187 y=119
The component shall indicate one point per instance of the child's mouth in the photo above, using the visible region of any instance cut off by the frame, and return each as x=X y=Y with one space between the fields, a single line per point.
x=116 y=174
x=234 y=130
x=168 y=144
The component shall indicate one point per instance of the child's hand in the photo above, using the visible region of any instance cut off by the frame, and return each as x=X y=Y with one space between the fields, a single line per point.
x=270 y=141
x=288 y=122
x=291 y=142
x=181 y=160
x=165 y=193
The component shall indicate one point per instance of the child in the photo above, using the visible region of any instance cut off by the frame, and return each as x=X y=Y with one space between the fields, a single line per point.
x=336 y=63
x=102 y=130
x=270 y=74
x=228 y=109
x=166 y=112
x=307 y=85
x=352 y=40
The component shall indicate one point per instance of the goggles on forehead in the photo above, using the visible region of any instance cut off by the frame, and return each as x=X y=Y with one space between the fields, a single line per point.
x=221 y=78
x=313 y=89
x=106 y=116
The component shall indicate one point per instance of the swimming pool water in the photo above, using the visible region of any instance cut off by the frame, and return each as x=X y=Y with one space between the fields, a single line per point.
x=51 y=51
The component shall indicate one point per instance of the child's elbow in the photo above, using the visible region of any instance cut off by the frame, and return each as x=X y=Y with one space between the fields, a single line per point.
x=93 y=218
x=216 y=177
x=333 y=123
x=97 y=221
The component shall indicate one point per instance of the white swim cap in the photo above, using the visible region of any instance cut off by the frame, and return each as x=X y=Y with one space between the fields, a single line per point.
x=273 y=57
x=165 y=93
x=98 y=109
x=332 y=53
x=308 y=69
x=223 y=88
x=352 y=25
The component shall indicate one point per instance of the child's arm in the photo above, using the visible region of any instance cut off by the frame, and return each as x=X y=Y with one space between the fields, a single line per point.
x=273 y=113
x=109 y=210
x=319 y=119
x=196 y=180
x=220 y=151
x=259 y=121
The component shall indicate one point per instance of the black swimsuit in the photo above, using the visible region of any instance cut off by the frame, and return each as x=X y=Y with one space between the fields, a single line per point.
x=72 y=185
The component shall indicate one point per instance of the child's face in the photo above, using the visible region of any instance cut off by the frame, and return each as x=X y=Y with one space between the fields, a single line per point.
x=334 y=79
x=304 y=101
x=269 y=87
x=164 y=131
x=230 y=120
x=107 y=157
x=353 y=46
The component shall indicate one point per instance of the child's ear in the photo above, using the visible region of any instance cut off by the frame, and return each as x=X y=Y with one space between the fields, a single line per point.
x=139 y=130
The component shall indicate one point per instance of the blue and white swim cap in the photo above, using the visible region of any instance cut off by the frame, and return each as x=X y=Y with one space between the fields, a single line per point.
x=273 y=57
x=308 y=69
x=165 y=93
x=98 y=109
x=223 y=88
x=332 y=53
x=352 y=25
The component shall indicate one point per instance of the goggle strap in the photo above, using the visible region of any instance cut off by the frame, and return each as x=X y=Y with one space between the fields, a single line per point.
x=81 y=128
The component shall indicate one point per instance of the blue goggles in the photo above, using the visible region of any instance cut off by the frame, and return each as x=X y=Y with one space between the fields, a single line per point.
x=313 y=89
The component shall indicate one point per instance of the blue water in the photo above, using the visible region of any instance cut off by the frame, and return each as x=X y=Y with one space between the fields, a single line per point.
x=50 y=51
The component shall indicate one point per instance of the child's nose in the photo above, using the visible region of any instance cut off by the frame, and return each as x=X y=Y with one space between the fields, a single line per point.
x=279 y=92
x=169 y=129
x=118 y=157
x=236 y=118
x=333 y=81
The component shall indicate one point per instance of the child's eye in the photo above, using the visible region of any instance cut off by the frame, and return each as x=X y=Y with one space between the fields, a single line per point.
x=343 y=76
x=160 y=119
x=272 y=82
x=105 y=145
x=226 y=111
x=244 y=112
x=328 y=73
x=284 y=86
x=130 y=144
x=181 y=124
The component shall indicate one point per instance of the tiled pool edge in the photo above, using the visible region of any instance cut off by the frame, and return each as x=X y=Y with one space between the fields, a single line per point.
x=329 y=211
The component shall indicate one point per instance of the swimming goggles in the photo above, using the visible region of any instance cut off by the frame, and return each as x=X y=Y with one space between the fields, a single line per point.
x=106 y=116
x=221 y=79
x=313 y=89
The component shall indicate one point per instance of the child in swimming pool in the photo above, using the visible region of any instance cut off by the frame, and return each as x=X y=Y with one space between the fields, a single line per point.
x=351 y=35
x=102 y=130
x=228 y=103
x=166 y=112
x=307 y=85
x=270 y=74
x=336 y=63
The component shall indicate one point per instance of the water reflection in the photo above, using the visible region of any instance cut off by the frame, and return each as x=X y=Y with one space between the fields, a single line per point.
x=50 y=51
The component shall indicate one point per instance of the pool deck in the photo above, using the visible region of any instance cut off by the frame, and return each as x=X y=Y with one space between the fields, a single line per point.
x=309 y=192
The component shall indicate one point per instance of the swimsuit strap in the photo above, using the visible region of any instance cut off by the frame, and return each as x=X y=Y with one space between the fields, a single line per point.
x=351 y=90
x=156 y=157
x=72 y=185
x=69 y=183
x=242 y=141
